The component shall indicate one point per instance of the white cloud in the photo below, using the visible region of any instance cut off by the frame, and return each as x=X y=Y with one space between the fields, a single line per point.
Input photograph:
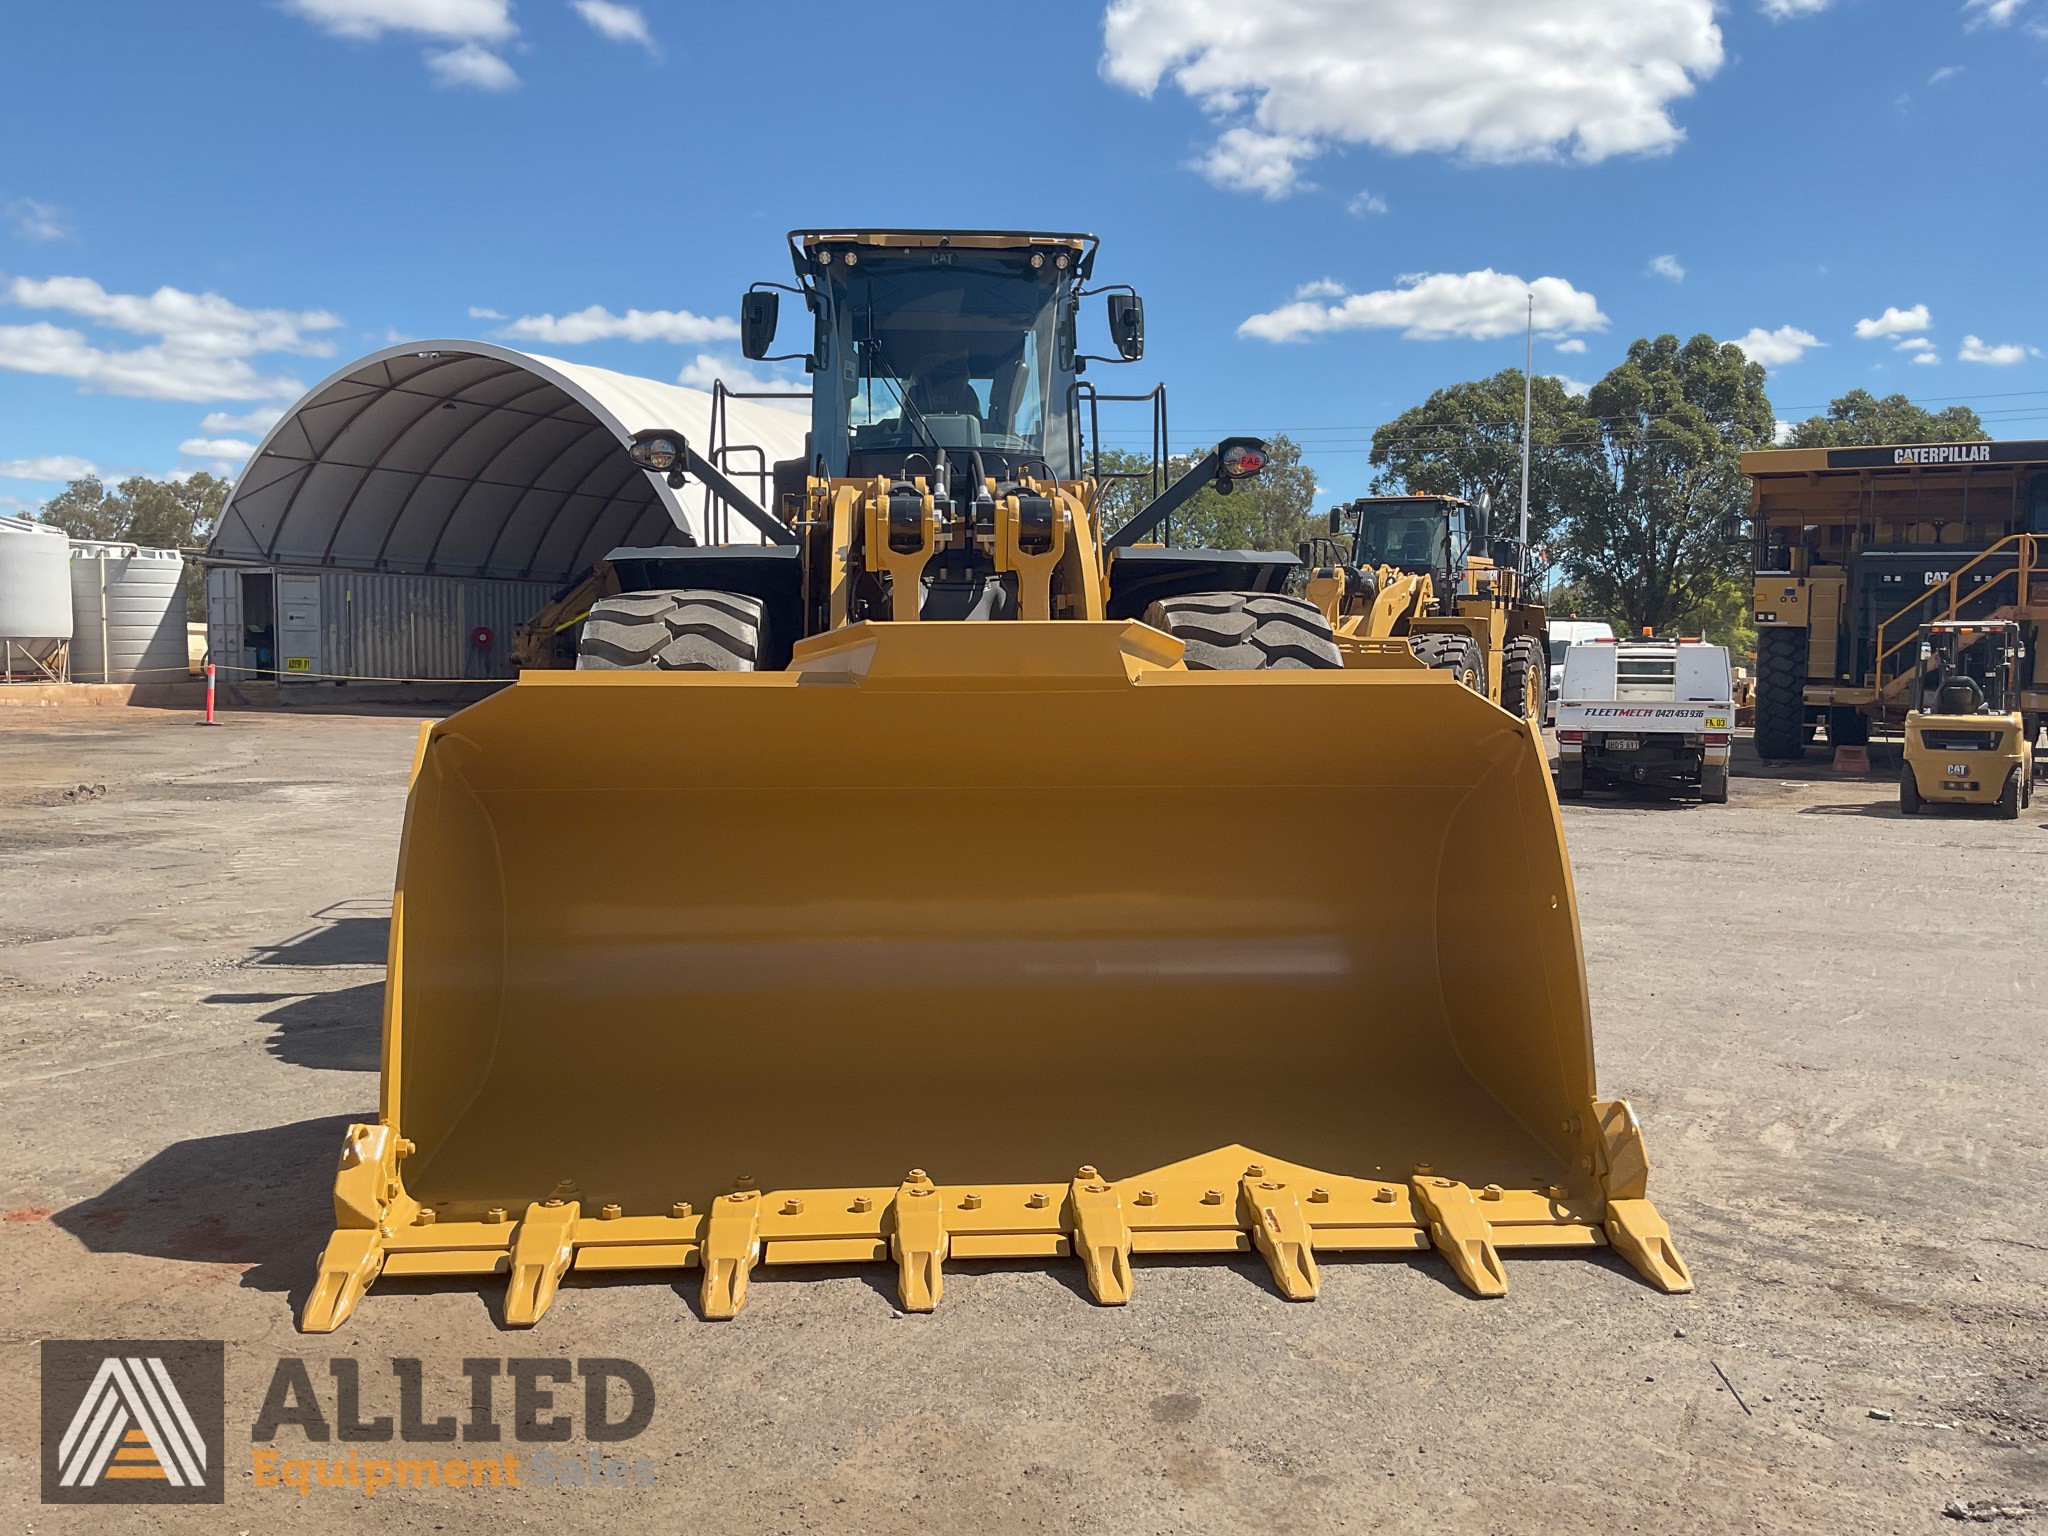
x=227 y=448
x=1928 y=359
x=1477 y=305
x=1669 y=267
x=1913 y=344
x=487 y=21
x=1541 y=79
x=1366 y=204
x=54 y=466
x=1977 y=350
x=1944 y=74
x=701 y=371
x=1572 y=386
x=257 y=421
x=1895 y=322
x=620 y=23
x=1780 y=10
x=1782 y=433
x=1774 y=349
x=599 y=324
x=471 y=66
x=1246 y=160
x=202 y=352
x=39 y=222
x=1573 y=347
x=1994 y=13
x=484 y=314
x=1321 y=288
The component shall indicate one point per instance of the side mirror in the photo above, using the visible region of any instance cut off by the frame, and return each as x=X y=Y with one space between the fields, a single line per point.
x=1127 y=325
x=759 y=311
x=1482 y=522
x=1336 y=520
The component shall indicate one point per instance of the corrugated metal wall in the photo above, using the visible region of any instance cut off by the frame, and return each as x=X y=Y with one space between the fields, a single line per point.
x=379 y=624
x=385 y=625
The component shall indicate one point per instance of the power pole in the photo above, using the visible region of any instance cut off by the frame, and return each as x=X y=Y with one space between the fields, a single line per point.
x=1528 y=414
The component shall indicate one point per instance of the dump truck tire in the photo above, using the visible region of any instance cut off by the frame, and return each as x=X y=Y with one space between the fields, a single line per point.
x=684 y=631
x=1781 y=729
x=2009 y=798
x=1231 y=632
x=1457 y=654
x=1909 y=792
x=1524 y=678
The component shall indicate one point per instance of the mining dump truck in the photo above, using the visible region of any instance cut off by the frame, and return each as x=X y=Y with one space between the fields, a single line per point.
x=947 y=876
x=1858 y=548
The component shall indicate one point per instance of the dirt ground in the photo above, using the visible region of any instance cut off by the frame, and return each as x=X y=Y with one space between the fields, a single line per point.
x=1829 y=1019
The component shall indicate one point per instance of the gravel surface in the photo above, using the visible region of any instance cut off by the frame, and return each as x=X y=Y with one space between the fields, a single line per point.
x=1828 y=1018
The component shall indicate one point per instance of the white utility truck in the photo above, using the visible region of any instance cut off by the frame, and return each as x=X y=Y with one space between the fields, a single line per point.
x=1658 y=713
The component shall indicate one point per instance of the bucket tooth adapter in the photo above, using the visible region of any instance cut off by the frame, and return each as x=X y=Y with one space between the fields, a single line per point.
x=905 y=905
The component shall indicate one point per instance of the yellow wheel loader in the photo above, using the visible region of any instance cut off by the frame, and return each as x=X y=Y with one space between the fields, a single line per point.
x=928 y=881
x=1967 y=743
x=1422 y=569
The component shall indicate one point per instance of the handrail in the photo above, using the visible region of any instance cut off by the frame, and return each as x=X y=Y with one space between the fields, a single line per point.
x=2028 y=554
x=1157 y=473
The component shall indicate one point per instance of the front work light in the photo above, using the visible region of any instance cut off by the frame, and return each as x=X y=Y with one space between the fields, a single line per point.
x=1241 y=462
x=658 y=452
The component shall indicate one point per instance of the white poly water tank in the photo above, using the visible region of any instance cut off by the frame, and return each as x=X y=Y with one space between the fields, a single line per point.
x=134 y=599
x=35 y=581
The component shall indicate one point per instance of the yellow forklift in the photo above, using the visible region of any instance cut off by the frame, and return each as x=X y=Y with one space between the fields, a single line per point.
x=1965 y=741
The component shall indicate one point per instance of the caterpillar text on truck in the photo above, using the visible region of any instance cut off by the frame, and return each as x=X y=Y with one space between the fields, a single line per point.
x=1858 y=548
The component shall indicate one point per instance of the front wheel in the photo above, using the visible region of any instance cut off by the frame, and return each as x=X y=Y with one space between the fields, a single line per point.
x=1239 y=632
x=1524 y=678
x=1909 y=793
x=1781 y=730
x=1458 y=655
x=2009 y=798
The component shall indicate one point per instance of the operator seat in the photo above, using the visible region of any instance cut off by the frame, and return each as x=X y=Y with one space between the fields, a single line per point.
x=1961 y=696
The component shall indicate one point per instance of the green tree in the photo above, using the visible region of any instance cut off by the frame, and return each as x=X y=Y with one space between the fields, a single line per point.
x=1662 y=533
x=1467 y=438
x=163 y=514
x=1859 y=419
x=1270 y=511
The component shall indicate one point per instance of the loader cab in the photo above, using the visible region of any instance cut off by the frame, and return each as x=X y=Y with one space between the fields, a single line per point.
x=961 y=347
x=1424 y=535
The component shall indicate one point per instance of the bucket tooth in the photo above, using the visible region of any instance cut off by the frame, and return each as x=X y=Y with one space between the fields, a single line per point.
x=542 y=1249
x=353 y=1259
x=1461 y=1233
x=1282 y=1234
x=1638 y=1234
x=1102 y=1238
x=919 y=1243
x=732 y=1242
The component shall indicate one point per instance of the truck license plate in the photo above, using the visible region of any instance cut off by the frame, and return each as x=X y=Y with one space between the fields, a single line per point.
x=1622 y=743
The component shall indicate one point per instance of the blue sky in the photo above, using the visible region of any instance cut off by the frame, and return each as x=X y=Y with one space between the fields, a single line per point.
x=1331 y=206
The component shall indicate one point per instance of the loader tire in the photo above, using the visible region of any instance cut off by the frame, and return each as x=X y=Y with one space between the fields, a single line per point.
x=686 y=631
x=1781 y=731
x=1236 y=632
x=1524 y=679
x=1458 y=655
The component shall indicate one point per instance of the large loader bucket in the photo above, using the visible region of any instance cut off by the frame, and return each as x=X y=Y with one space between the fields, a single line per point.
x=981 y=941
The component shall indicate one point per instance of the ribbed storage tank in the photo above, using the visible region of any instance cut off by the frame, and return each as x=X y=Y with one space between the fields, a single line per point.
x=131 y=601
x=35 y=595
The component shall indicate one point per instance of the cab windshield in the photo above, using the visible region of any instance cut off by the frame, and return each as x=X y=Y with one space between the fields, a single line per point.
x=945 y=356
x=1413 y=535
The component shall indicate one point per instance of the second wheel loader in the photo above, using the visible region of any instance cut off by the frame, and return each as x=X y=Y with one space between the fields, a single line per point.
x=1421 y=569
x=933 y=880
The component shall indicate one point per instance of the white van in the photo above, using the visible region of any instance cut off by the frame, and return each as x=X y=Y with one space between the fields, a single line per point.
x=1564 y=634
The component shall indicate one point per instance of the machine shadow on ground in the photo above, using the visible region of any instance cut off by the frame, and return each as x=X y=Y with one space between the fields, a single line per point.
x=257 y=1199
